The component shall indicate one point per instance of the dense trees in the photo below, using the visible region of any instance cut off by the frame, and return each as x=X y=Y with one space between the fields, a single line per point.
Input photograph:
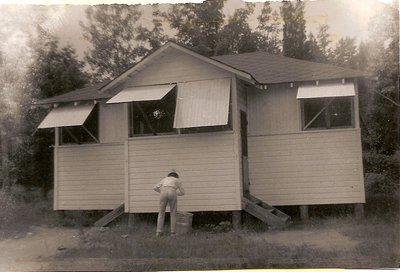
x=294 y=29
x=112 y=31
x=197 y=25
x=269 y=29
x=55 y=70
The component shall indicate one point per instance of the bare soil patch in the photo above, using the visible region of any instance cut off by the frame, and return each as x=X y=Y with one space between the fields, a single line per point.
x=334 y=242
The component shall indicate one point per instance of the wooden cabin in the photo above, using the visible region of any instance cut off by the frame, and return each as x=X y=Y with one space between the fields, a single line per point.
x=244 y=132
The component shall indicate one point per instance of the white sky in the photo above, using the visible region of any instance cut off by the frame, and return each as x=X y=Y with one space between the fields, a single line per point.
x=94 y=2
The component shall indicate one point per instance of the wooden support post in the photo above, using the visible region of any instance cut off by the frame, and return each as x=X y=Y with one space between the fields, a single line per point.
x=359 y=210
x=131 y=220
x=236 y=219
x=304 y=213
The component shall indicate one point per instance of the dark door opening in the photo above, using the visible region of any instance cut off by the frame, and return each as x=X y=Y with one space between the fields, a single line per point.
x=245 y=163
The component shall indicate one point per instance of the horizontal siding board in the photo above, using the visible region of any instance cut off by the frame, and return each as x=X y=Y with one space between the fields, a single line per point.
x=303 y=182
x=90 y=176
x=83 y=173
x=72 y=180
x=205 y=162
x=101 y=196
x=182 y=203
x=92 y=187
x=302 y=169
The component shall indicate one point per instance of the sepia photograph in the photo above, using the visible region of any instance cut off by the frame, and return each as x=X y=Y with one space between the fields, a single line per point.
x=149 y=135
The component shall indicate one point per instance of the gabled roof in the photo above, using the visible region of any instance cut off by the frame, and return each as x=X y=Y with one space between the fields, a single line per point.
x=271 y=69
x=149 y=59
x=257 y=67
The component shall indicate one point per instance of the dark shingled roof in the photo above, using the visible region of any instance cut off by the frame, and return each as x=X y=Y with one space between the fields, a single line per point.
x=269 y=69
x=265 y=68
x=88 y=93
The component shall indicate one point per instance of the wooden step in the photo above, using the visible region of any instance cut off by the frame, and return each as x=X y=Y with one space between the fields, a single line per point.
x=111 y=216
x=273 y=210
x=266 y=213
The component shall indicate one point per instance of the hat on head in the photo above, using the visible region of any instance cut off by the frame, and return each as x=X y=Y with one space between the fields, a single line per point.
x=173 y=174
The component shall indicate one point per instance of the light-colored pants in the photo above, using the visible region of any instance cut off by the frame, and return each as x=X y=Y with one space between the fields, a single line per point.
x=167 y=196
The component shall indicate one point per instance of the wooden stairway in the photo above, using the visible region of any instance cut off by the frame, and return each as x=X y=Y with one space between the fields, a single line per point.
x=108 y=218
x=273 y=217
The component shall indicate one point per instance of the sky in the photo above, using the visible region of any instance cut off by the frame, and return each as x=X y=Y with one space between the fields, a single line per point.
x=345 y=18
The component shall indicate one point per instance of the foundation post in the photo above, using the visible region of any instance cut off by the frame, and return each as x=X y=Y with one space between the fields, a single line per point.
x=359 y=210
x=304 y=213
x=236 y=219
x=131 y=220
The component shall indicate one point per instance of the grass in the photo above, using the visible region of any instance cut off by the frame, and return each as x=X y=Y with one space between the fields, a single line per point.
x=377 y=247
x=375 y=239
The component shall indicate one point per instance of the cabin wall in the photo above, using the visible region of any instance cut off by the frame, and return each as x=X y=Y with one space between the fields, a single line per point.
x=176 y=67
x=207 y=165
x=89 y=177
x=307 y=168
x=113 y=123
x=273 y=111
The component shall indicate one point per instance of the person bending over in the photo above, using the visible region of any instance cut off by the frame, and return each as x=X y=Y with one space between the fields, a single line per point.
x=169 y=188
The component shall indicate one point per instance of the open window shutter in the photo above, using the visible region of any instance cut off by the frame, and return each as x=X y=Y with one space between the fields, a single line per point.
x=142 y=93
x=202 y=103
x=329 y=90
x=67 y=116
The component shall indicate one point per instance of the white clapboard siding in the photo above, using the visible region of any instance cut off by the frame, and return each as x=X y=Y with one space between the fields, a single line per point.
x=90 y=177
x=206 y=163
x=273 y=111
x=113 y=123
x=176 y=67
x=307 y=168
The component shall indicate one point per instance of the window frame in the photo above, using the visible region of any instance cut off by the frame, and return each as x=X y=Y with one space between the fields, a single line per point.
x=178 y=131
x=324 y=111
x=131 y=123
x=94 y=136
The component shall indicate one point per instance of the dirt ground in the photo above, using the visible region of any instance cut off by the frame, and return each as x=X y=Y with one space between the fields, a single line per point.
x=42 y=248
x=38 y=243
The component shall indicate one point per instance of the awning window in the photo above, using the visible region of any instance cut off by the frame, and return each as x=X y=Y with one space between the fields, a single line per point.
x=202 y=103
x=330 y=90
x=67 y=116
x=143 y=93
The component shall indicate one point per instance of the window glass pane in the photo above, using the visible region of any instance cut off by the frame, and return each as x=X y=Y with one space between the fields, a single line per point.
x=340 y=112
x=311 y=107
x=337 y=113
x=149 y=117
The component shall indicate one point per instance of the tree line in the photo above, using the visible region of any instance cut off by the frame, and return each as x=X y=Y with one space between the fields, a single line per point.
x=118 y=40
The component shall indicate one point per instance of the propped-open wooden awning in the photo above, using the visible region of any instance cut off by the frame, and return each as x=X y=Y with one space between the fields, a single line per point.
x=67 y=115
x=329 y=90
x=142 y=93
x=202 y=103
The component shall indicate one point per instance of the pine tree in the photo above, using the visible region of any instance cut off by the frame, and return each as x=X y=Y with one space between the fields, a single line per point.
x=324 y=43
x=345 y=53
x=269 y=28
x=312 y=50
x=294 y=29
